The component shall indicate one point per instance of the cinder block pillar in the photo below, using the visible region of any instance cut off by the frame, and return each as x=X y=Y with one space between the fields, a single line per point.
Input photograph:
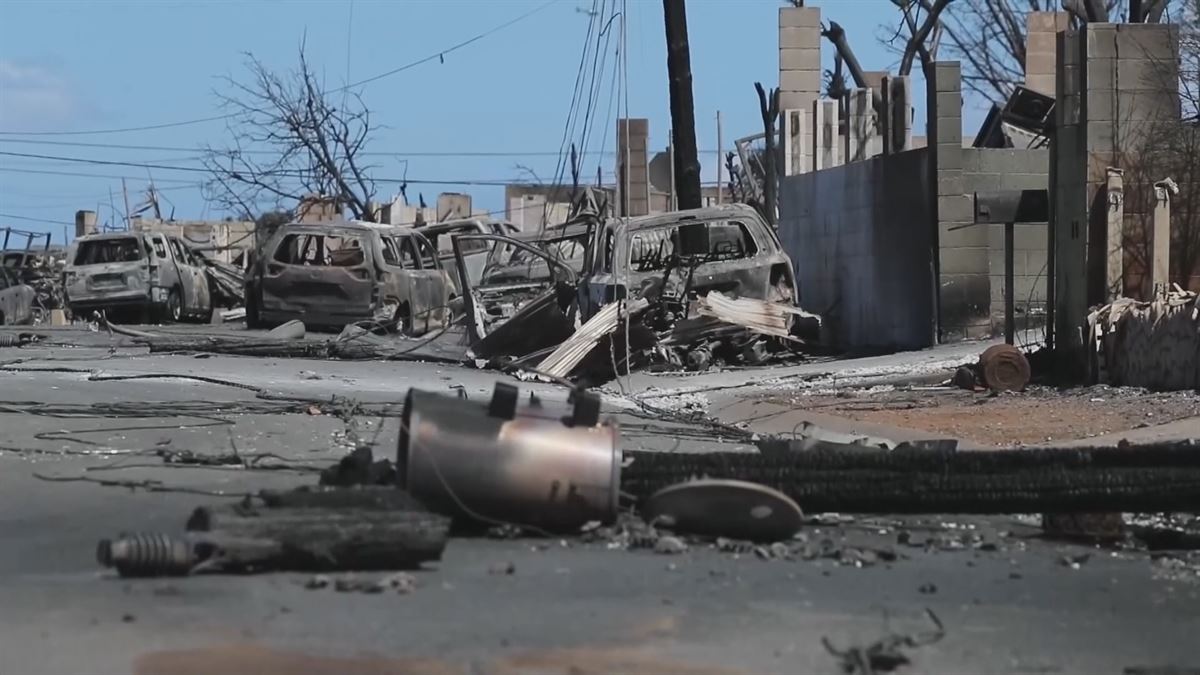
x=860 y=125
x=1160 y=239
x=825 y=134
x=453 y=206
x=85 y=223
x=897 y=126
x=633 y=136
x=799 y=70
x=1041 y=47
x=797 y=143
x=963 y=286
x=1115 y=241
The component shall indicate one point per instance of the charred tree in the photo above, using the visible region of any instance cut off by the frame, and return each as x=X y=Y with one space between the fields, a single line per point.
x=769 y=106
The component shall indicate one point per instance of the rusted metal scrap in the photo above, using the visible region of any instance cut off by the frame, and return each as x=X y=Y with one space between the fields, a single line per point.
x=1004 y=368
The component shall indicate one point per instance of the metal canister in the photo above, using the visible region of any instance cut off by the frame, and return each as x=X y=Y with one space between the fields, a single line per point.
x=503 y=462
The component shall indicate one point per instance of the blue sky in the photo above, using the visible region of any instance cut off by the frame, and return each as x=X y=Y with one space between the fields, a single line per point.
x=100 y=65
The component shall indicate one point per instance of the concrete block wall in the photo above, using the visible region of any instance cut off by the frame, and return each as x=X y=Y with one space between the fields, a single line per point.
x=964 y=290
x=986 y=169
x=860 y=238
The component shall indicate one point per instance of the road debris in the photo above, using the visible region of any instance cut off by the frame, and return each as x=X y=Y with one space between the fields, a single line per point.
x=531 y=464
x=886 y=654
x=1147 y=478
x=670 y=545
x=725 y=508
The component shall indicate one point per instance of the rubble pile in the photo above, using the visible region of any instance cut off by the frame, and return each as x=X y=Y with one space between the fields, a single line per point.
x=1147 y=344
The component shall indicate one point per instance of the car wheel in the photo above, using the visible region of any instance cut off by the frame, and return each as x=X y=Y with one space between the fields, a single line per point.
x=174 y=306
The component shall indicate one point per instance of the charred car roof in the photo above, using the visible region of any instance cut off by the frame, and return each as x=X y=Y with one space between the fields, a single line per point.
x=705 y=214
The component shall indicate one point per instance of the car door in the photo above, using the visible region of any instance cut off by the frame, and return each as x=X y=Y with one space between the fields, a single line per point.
x=541 y=300
x=429 y=292
x=8 y=299
x=201 y=296
x=173 y=274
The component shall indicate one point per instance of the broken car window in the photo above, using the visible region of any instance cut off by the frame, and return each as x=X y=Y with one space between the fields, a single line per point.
x=100 y=251
x=652 y=250
x=160 y=249
x=428 y=255
x=391 y=252
x=408 y=253
x=320 y=250
x=176 y=249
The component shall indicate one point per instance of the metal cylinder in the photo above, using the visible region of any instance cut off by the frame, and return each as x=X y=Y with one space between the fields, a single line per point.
x=539 y=467
x=146 y=555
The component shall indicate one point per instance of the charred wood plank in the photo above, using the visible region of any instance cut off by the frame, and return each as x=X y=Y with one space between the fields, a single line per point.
x=382 y=498
x=312 y=539
x=1149 y=478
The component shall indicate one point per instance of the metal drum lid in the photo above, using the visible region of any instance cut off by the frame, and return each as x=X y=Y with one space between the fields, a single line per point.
x=725 y=508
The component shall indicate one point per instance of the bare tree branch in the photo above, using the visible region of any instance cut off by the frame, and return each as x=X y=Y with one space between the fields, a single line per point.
x=289 y=139
x=988 y=36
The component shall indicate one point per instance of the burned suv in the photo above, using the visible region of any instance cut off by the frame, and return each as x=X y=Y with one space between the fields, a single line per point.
x=334 y=274
x=138 y=274
x=668 y=257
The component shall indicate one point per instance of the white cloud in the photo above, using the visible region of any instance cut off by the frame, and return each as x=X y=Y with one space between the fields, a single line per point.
x=34 y=98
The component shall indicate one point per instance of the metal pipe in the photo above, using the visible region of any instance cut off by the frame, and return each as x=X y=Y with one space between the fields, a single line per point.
x=1009 y=327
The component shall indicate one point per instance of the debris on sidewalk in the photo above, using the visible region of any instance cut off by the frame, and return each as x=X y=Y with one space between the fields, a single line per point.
x=1154 y=344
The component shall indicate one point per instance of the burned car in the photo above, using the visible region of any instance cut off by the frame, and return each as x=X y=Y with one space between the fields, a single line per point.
x=475 y=257
x=668 y=257
x=335 y=274
x=146 y=275
x=16 y=300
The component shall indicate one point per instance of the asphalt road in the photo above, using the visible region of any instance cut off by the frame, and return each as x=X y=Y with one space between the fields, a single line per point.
x=1011 y=606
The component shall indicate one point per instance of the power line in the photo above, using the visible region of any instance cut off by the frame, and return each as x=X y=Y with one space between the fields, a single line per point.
x=377 y=153
x=193 y=169
x=96 y=175
x=440 y=55
x=45 y=221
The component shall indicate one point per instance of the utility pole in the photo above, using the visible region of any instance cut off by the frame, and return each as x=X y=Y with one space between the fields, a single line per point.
x=683 y=119
x=125 y=194
x=720 y=161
